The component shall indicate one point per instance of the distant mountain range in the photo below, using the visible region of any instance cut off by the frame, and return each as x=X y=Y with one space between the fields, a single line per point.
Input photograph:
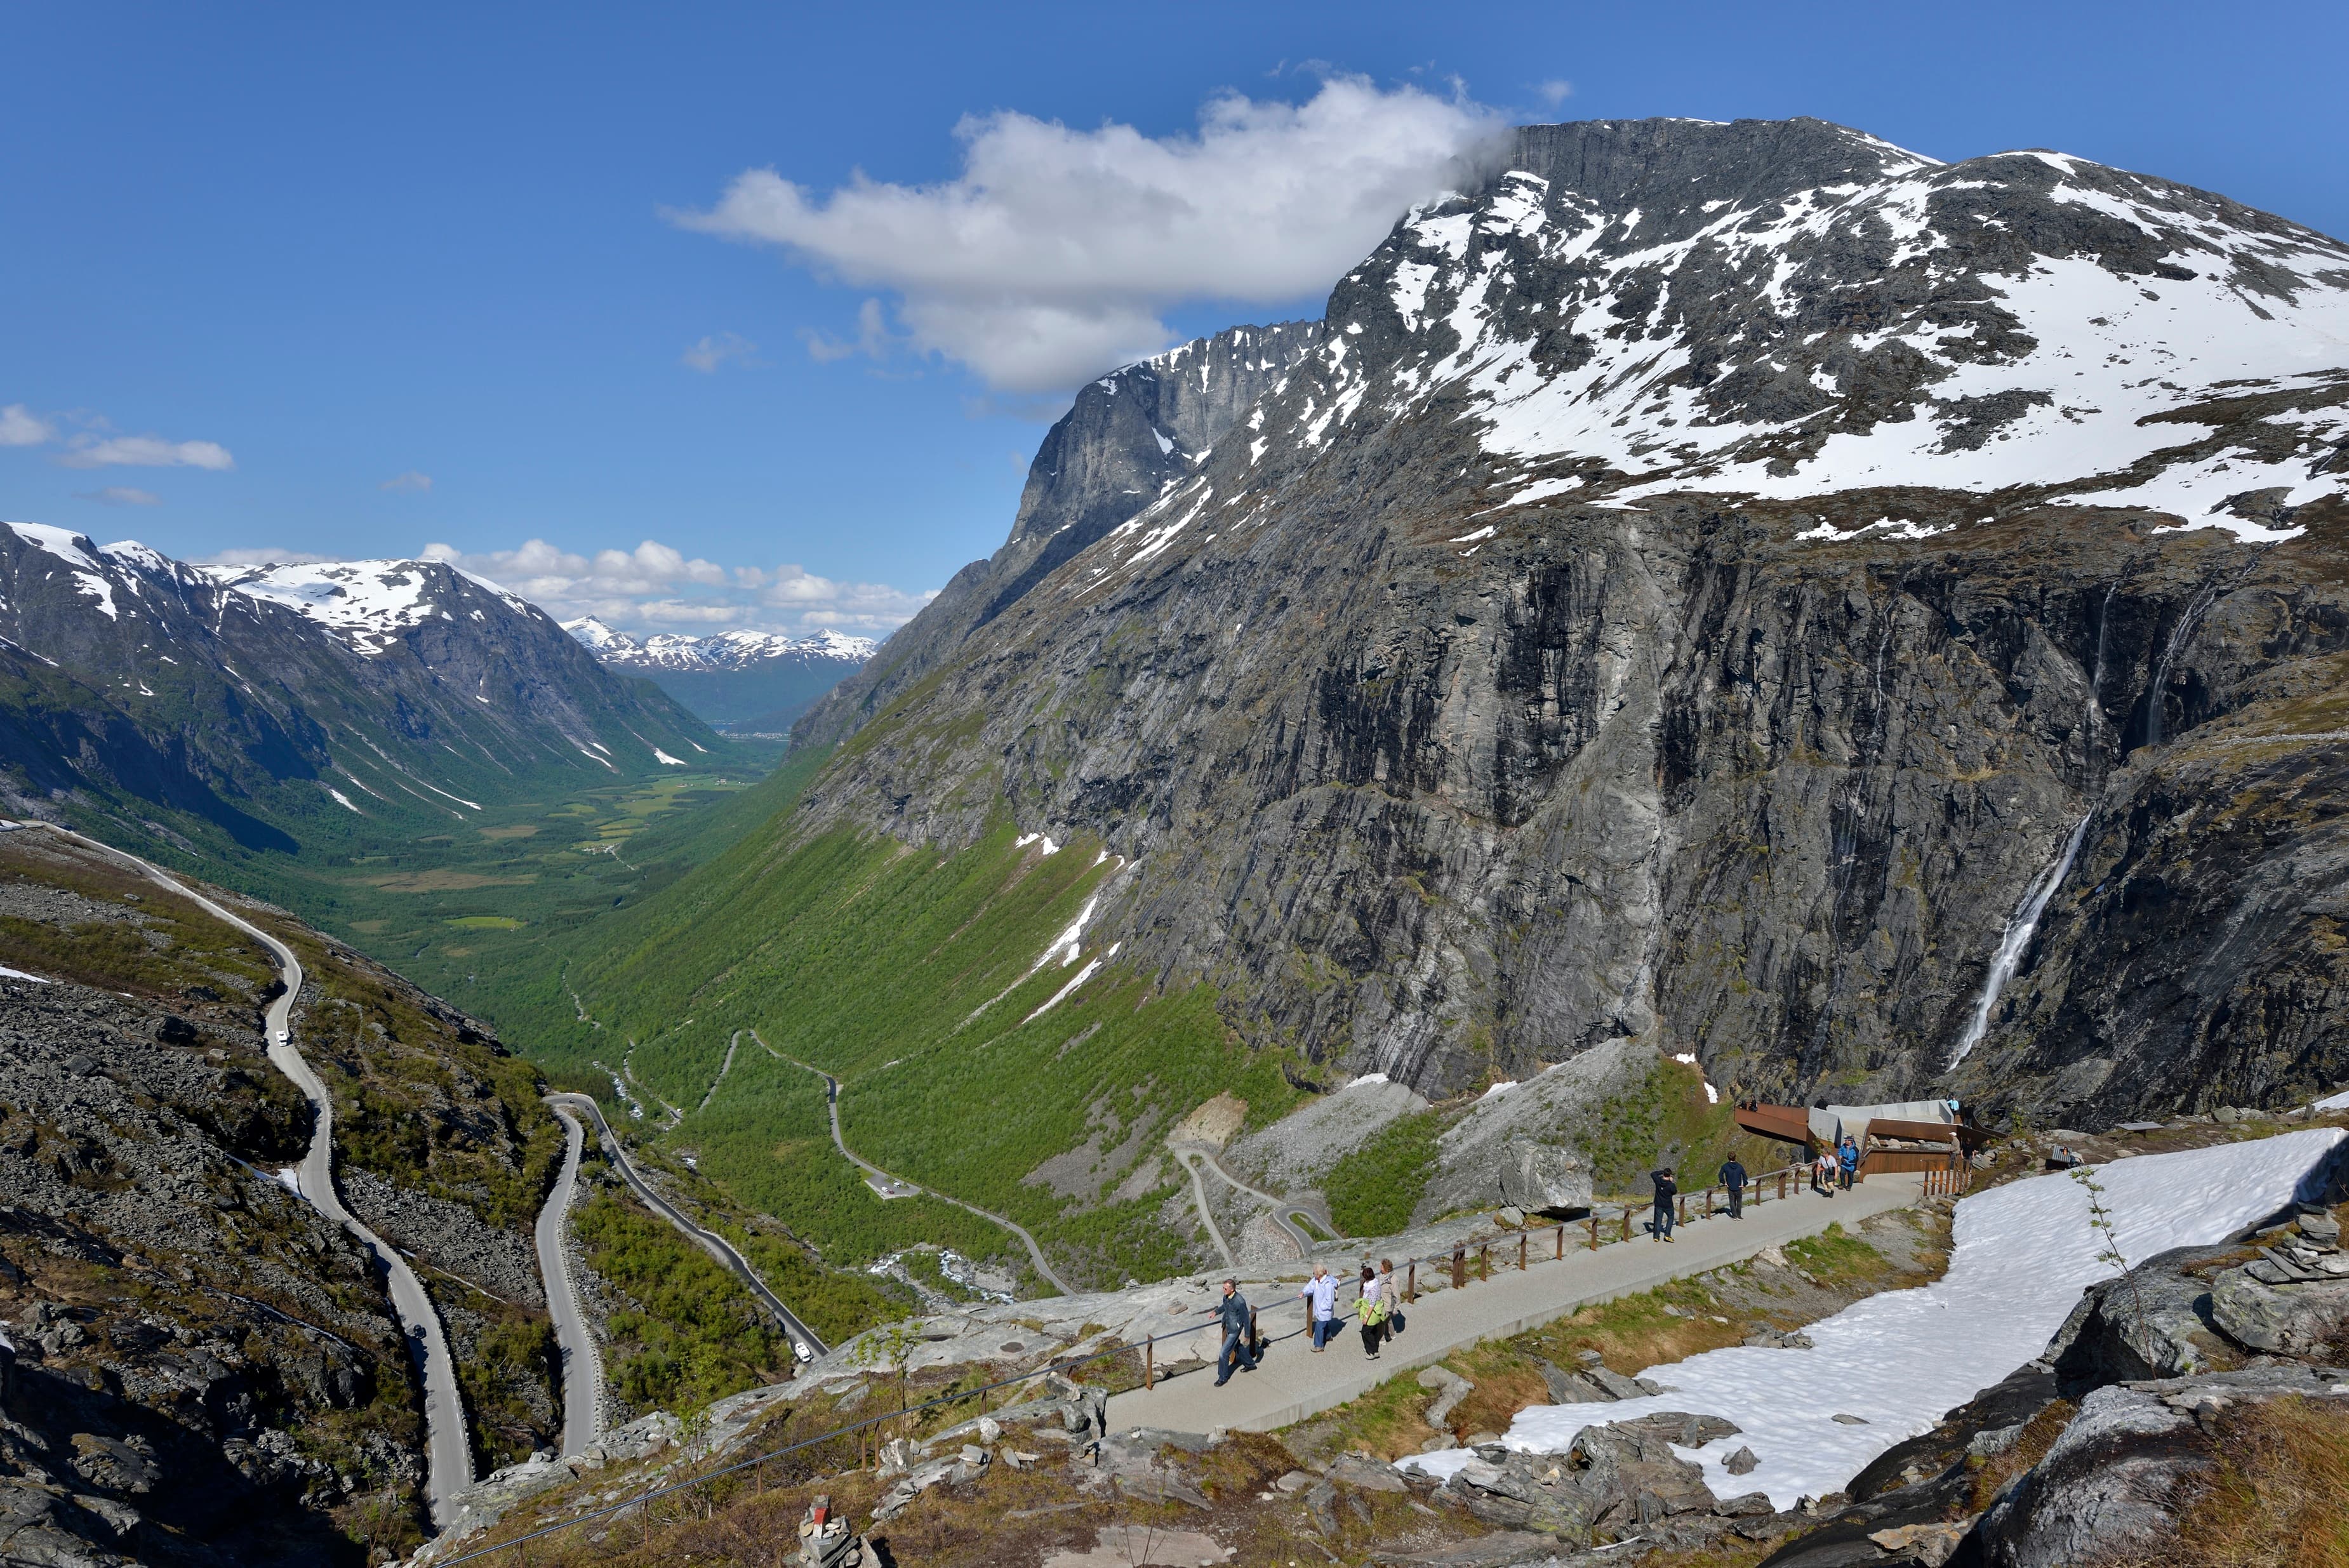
x=746 y=681
x=232 y=711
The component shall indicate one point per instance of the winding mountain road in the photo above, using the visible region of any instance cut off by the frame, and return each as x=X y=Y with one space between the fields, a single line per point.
x=831 y=1102
x=1282 y=1208
x=449 y=1451
x=582 y=1365
x=1199 y=1201
x=805 y=1342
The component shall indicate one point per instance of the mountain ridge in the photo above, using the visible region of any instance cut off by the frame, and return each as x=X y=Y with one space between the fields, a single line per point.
x=746 y=681
x=1482 y=552
x=231 y=711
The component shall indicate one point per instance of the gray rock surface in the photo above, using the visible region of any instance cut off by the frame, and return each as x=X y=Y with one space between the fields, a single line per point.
x=2293 y=1319
x=1517 y=1146
x=1441 y=758
x=1294 y=1154
x=1129 y=436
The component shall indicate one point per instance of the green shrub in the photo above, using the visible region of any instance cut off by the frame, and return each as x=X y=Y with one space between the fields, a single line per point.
x=699 y=1336
x=1373 y=1190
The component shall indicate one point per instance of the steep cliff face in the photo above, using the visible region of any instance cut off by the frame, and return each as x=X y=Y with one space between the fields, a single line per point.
x=1129 y=436
x=1696 y=588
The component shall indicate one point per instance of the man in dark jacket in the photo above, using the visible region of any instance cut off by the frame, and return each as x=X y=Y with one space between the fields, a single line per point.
x=1733 y=1176
x=1667 y=1191
x=1233 y=1310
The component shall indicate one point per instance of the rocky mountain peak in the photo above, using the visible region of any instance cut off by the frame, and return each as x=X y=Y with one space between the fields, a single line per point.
x=369 y=603
x=1746 y=582
x=1794 y=311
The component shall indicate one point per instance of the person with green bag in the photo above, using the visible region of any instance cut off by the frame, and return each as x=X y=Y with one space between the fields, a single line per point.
x=1371 y=1310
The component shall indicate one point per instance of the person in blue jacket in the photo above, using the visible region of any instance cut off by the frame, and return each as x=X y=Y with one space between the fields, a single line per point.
x=1733 y=1176
x=1848 y=1160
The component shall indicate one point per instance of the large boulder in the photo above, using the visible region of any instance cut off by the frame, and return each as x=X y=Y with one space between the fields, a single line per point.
x=2103 y=1490
x=2290 y=1319
x=2153 y=1322
x=2134 y=1461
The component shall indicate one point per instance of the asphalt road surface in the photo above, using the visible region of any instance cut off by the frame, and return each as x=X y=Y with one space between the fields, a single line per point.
x=1282 y=1209
x=449 y=1451
x=802 y=1337
x=583 y=1366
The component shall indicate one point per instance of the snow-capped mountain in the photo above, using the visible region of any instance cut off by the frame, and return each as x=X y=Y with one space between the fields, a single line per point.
x=246 y=700
x=369 y=603
x=736 y=650
x=739 y=679
x=1748 y=582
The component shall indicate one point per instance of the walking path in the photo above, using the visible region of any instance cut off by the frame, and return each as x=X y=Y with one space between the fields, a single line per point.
x=583 y=1366
x=449 y=1450
x=1292 y=1383
x=832 y=1102
x=803 y=1339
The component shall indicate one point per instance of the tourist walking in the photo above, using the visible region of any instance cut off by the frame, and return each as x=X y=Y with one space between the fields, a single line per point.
x=1233 y=1312
x=1733 y=1176
x=1371 y=1310
x=1848 y=1160
x=1668 y=1192
x=1391 y=1293
x=1320 y=1294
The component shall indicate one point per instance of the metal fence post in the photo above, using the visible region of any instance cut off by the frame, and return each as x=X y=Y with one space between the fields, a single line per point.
x=1150 y=1363
x=1483 y=1260
x=1411 y=1282
x=1594 y=1233
x=1561 y=1239
x=1522 y=1240
x=1459 y=1266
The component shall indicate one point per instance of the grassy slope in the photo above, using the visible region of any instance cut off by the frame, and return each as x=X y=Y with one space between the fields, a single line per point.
x=911 y=976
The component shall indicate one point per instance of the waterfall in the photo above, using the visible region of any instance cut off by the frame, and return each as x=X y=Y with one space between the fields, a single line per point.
x=2180 y=635
x=2024 y=922
x=2017 y=937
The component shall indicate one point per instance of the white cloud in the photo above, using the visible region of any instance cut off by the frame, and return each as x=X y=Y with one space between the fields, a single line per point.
x=656 y=586
x=1555 y=92
x=92 y=451
x=711 y=352
x=95 y=447
x=412 y=480
x=20 y=427
x=873 y=337
x=1052 y=256
x=120 y=495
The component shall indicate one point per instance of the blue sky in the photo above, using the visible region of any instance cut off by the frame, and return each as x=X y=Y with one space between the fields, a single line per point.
x=352 y=282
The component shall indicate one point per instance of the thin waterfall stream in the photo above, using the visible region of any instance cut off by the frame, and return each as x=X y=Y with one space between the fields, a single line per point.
x=2023 y=923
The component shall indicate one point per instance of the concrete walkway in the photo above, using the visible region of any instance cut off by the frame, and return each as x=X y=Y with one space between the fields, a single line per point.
x=1292 y=1383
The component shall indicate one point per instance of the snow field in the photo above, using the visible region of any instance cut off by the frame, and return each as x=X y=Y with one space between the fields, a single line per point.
x=1899 y=1361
